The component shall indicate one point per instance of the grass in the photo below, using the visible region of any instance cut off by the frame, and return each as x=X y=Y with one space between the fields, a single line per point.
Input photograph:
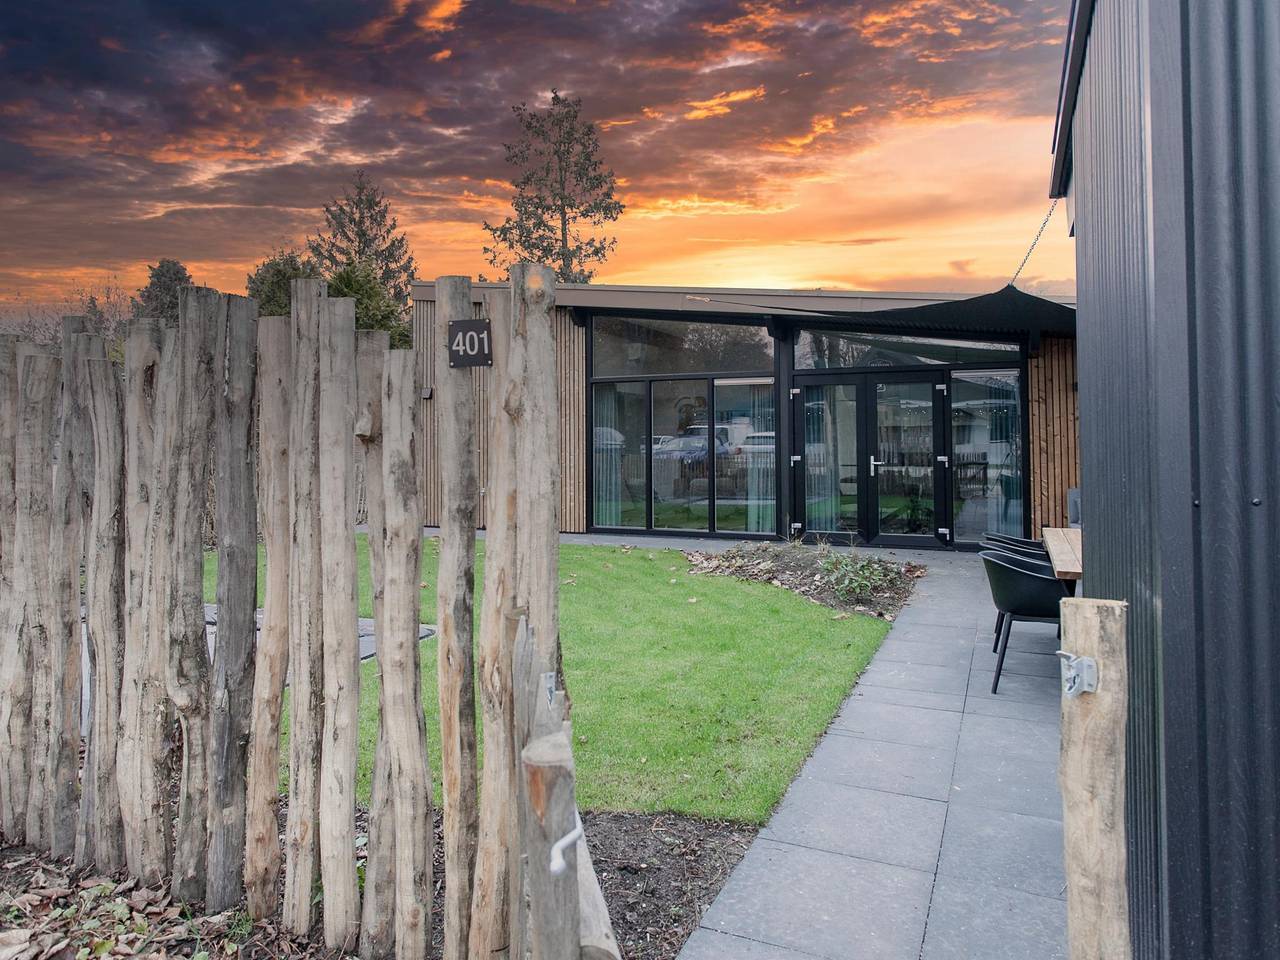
x=696 y=694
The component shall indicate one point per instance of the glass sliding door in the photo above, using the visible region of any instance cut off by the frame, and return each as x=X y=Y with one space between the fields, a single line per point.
x=829 y=427
x=904 y=459
x=986 y=439
x=683 y=441
x=619 y=455
x=745 y=456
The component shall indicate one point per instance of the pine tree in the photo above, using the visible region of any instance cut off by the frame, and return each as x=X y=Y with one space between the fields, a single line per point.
x=269 y=283
x=375 y=308
x=359 y=228
x=159 y=298
x=563 y=191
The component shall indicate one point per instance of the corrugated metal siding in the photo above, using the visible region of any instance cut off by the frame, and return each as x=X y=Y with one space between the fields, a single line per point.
x=571 y=377
x=1176 y=152
x=1116 y=413
x=1053 y=431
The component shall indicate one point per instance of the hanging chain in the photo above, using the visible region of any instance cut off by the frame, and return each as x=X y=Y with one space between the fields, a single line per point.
x=1031 y=249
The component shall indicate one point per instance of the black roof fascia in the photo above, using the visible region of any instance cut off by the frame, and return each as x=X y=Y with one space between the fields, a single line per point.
x=1068 y=89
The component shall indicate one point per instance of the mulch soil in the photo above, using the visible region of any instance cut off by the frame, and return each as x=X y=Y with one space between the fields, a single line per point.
x=659 y=873
x=851 y=582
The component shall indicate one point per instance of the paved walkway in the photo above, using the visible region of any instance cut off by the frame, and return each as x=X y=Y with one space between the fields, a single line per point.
x=927 y=825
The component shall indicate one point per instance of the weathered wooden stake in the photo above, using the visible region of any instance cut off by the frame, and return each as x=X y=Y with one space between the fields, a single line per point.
x=31 y=613
x=101 y=840
x=201 y=313
x=455 y=403
x=377 y=911
x=231 y=694
x=262 y=841
x=143 y=749
x=9 y=416
x=72 y=493
x=490 y=903
x=306 y=692
x=341 y=641
x=1091 y=774
x=550 y=813
x=406 y=728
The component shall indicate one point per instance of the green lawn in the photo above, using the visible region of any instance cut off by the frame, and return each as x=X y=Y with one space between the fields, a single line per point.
x=696 y=694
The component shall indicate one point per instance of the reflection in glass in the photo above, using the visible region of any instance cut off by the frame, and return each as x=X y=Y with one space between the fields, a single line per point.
x=820 y=349
x=831 y=458
x=904 y=474
x=619 y=446
x=746 y=462
x=681 y=454
x=629 y=346
x=986 y=435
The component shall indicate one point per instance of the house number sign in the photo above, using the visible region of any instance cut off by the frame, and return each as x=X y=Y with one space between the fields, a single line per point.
x=470 y=343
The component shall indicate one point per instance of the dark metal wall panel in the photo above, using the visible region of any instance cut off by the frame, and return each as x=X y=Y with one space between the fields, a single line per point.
x=1114 y=346
x=1176 y=154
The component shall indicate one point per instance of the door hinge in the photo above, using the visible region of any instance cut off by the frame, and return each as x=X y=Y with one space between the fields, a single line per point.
x=796 y=526
x=940 y=386
x=795 y=458
x=944 y=532
x=795 y=391
x=945 y=461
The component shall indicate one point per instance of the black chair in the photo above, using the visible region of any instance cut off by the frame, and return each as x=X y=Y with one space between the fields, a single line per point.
x=1039 y=564
x=1022 y=590
x=1014 y=541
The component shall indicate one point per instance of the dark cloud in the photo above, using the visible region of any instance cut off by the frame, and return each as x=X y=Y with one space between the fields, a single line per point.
x=135 y=129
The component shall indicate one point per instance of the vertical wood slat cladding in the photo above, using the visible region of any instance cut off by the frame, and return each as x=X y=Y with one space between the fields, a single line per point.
x=1054 y=431
x=570 y=373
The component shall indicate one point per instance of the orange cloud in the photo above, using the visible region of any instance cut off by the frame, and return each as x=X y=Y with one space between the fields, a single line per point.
x=721 y=103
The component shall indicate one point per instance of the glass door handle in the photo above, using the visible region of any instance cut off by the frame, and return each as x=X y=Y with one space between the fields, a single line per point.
x=875 y=463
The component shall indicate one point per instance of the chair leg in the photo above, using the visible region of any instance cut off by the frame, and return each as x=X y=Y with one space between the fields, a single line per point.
x=1004 y=646
x=995 y=642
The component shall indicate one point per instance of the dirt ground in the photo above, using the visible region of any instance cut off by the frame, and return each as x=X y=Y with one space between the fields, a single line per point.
x=659 y=872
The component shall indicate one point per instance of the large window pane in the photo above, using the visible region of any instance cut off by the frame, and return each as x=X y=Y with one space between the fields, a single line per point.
x=627 y=346
x=986 y=436
x=746 y=461
x=820 y=349
x=905 y=457
x=681 y=454
x=831 y=458
x=620 y=445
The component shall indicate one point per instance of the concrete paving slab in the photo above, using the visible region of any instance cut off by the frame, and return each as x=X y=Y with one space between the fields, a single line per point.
x=1008 y=737
x=917 y=676
x=1014 y=686
x=869 y=824
x=999 y=707
x=1037 y=664
x=898 y=723
x=912 y=698
x=710 y=945
x=954 y=655
x=947 y=634
x=823 y=904
x=880 y=765
x=976 y=921
x=1003 y=849
x=1019 y=786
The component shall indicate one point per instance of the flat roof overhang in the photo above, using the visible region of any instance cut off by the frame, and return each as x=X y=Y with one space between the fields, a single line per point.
x=1068 y=90
x=1008 y=311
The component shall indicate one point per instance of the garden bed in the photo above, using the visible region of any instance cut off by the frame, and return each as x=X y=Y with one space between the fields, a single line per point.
x=659 y=872
x=849 y=581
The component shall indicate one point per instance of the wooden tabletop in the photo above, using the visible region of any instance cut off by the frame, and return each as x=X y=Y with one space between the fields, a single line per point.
x=1066 y=553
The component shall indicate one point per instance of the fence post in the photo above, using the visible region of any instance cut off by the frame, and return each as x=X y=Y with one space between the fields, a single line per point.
x=306 y=692
x=262 y=831
x=59 y=781
x=142 y=752
x=406 y=728
x=341 y=643
x=1091 y=774
x=455 y=403
x=200 y=316
x=9 y=416
x=101 y=827
x=377 y=908
x=490 y=903
x=236 y=513
x=29 y=629
x=550 y=814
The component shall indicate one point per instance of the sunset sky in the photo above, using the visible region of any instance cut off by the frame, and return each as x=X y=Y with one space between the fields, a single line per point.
x=868 y=144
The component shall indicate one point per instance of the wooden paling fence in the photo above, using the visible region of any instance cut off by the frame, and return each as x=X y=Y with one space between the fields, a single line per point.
x=104 y=469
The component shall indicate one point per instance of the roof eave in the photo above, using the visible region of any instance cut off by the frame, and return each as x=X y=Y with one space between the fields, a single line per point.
x=1068 y=90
